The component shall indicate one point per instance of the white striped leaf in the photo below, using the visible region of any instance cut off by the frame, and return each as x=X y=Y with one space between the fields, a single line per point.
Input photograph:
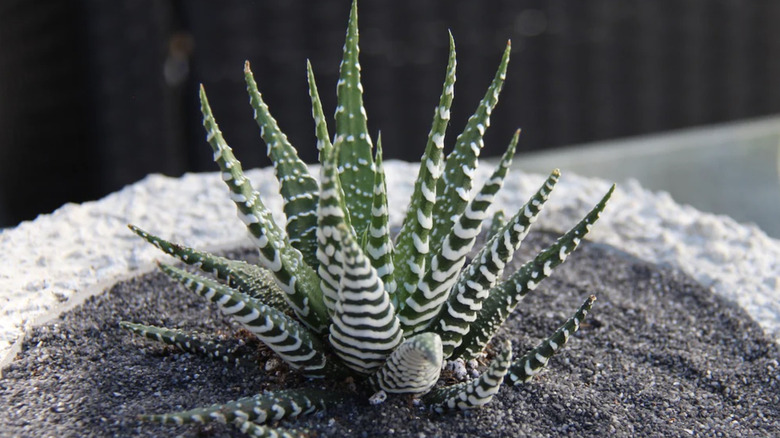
x=378 y=244
x=525 y=368
x=289 y=339
x=496 y=224
x=504 y=297
x=267 y=407
x=413 y=239
x=355 y=158
x=475 y=393
x=192 y=342
x=434 y=288
x=297 y=187
x=365 y=329
x=297 y=279
x=486 y=269
x=331 y=214
x=452 y=194
x=252 y=280
x=324 y=145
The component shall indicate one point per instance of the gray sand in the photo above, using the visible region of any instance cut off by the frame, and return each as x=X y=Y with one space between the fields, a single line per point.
x=658 y=356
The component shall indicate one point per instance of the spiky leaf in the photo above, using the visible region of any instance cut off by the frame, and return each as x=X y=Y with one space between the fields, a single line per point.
x=434 y=288
x=523 y=369
x=378 y=244
x=261 y=408
x=192 y=342
x=365 y=329
x=249 y=279
x=292 y=341
x=413 y=244
x=298 y=188
x=485 y=270
x=504 y=298
x=498 y=222
x=355 y=160
x=331 y=214
x=476 y=393
x=324 y=145
x=454 y=186
x=296 y=278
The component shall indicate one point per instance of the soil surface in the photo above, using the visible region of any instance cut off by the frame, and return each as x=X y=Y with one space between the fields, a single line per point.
x=658 y=356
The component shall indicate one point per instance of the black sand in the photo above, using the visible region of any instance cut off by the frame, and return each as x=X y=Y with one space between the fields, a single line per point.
x=658 y=356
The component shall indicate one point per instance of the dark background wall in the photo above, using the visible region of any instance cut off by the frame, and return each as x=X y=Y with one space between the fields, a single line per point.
x=96 y=94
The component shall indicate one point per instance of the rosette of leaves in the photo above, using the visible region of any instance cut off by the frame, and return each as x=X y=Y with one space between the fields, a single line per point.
x=337 y=297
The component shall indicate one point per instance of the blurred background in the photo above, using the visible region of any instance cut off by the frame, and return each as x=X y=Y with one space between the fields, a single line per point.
x=95 y=95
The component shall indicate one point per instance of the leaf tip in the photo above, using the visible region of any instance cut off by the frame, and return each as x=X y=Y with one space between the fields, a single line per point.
x=353 y=16
x=202 y=95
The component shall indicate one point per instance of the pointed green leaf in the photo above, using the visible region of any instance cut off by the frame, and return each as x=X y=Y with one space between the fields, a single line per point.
x=498 y=222
x=413 y=238
x=292 y=341
x=297 y=279
x=297 y=187
x=486 y=268
x=525 y=368
x=262 y=408
x=251 y=210
x=504 y=298
x=355 y=160
x=475 y=393
x=378 y=242
x=454 y=186
x=434 y=288
x=331 y=214
x=365 y=329
x=320 y=125
x=192 y=342
x=249 y=279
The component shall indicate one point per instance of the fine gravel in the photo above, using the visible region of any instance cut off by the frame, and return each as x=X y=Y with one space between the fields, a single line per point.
x=659 y=355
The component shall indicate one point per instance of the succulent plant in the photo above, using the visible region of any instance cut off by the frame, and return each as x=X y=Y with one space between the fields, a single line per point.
x=337 y=296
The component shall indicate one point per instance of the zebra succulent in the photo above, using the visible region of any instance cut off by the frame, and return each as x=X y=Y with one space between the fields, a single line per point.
x=337 y=296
